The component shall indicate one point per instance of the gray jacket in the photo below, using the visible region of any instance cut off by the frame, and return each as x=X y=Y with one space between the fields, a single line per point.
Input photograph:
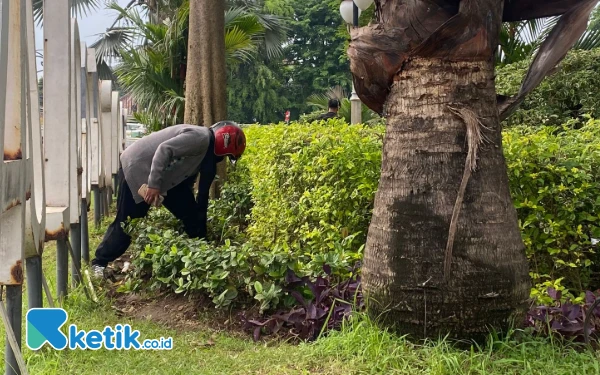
x=165 y=158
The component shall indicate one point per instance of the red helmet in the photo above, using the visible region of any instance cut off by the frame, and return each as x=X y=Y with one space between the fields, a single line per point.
x=229 y=139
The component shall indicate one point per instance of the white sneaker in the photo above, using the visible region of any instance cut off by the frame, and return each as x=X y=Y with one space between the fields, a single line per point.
x=98 y=271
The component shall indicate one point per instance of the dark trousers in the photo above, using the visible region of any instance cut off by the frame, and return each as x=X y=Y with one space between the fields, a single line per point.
x=179 y=200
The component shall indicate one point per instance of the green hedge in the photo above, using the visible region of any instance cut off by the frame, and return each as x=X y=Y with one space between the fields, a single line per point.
x=299 y=199
x=302 y=197
x=555 y=183
x=313 y=185
x=567 y=94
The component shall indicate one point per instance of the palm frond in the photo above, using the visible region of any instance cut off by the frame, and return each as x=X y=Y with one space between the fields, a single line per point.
x=145 y=74
x=239 y=46
x=275 y=33
x=520 y=40
x=112 y=41
x=104 y=70
x=268 y=30
x=321 y=101
x=248 y=24
x=84 y=7
x=234 y=13
x=568 y=31
x=79 y=8
x=590 y=40
x=130 y=15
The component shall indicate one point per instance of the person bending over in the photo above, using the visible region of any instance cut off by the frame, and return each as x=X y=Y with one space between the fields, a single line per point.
x=168 y=162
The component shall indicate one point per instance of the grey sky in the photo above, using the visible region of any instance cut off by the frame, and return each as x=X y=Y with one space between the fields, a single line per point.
x=90 y=26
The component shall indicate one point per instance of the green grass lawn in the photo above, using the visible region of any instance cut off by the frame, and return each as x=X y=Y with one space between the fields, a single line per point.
x=360 y=348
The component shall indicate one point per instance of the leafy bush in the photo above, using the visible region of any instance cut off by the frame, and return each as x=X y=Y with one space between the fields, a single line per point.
x=555 y=179
x=567 y=94
x=228 y=216
x=167 y=257
x=301 y=199
x=296 y=204
x=313 y=188
x=325 y=307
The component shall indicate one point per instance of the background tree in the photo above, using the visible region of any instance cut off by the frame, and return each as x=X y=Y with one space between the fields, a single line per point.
x=316 y=52
x=206 y=71
x=444 y=253
x=153 y=70
x=257 y=92
x=257 y=89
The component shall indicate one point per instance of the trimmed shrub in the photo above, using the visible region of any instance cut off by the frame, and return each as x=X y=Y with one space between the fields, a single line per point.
x=313 y=187
x=555 y=180
x=301 y=198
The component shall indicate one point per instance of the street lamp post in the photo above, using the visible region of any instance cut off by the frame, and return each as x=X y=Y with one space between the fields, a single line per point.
x=350 y=11
x=355 y=104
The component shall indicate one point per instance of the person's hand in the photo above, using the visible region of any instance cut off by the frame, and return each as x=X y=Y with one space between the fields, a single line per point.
x=151 y=195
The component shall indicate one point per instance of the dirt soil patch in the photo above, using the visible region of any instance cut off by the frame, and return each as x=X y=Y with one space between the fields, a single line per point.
x=175 y=311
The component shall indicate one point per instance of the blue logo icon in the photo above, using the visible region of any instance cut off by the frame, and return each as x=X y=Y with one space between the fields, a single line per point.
x=43 y=326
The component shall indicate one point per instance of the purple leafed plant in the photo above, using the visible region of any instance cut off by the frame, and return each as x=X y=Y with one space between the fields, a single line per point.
x=325 y=309
x=566 y=318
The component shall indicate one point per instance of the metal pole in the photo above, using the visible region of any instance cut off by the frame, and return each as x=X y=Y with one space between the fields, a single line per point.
x=355 y=104
x=85 y=236
x=76 y=242
x=14 y=308
x=35 y=296
x=106 y=201
x=97 y=205
x=109 y=197
x=103 y=202
x=101 y=196
x=115 y=184
x=355 y=107
x=62 y=268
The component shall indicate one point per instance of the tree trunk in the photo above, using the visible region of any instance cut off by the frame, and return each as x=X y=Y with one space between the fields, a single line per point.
x=423 y=166
x=206 y=75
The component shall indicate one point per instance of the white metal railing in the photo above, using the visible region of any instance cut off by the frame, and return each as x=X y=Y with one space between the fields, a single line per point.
x=47 y=177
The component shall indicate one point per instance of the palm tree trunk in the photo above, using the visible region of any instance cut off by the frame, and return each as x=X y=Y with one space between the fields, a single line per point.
x=206 y=75
x=423 y=167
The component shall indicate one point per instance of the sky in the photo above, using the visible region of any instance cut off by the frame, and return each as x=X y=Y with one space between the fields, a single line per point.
x=94 y=23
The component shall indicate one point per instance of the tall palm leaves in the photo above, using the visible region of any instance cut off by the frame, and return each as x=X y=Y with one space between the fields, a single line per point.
x=520 y=40
x=153 y=71
x=78 y=7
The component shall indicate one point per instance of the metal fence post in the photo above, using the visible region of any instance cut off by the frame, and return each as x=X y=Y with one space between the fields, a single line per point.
x=58 y=132
x=14 y=308
x=75 y=166
x=97 y=197
x=105 y=192
x=85 y=239
x=33 y=267
x=62 y=268
x=76 y=244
